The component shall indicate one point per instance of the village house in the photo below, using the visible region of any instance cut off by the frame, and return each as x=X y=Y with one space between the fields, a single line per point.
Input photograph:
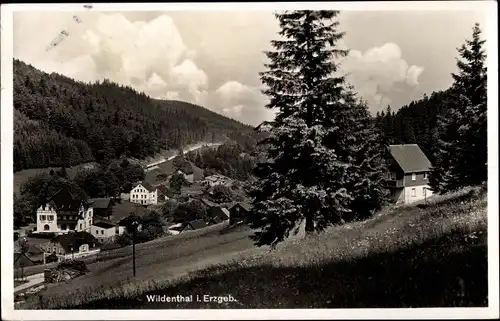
x=238 y=213
x=215 y=213
x=408 y=178
x=164 y=193
x=191 y=172
x=214 y=180
x=144 y=193
x=102 y=207
x=62 y=213
x=72 y=245
x=188 y=226
x=106 y=232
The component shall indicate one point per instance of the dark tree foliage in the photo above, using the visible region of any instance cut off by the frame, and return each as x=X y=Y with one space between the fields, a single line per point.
x=62 y=122
x=230 y=159
x=415 y=123
x=177 y=181
x=314 y=144
x=461 y=155
x=37 y=190
x=223 y=194
x=189 y=211
x=111 y=180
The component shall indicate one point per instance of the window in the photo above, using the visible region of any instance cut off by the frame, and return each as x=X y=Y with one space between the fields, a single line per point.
x=54 y=249
x=102 y=231
x=80 y=226
x=46 y=227
x=60 y=251
x=393 y=176
x=48 y=249
x=413 y=176
x=96 y=231
x=50 y=217
x=43 y=217
x=425 y=175
x=63 y=227
x=413 y=192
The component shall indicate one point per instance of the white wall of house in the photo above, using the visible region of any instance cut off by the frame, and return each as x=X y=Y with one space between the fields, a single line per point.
x=84 y=223
x=46 y=220
x=141 y=195
x=100 y=232
x=416 y=193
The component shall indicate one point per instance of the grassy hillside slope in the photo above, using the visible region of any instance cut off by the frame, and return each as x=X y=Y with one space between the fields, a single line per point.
x=405 y=256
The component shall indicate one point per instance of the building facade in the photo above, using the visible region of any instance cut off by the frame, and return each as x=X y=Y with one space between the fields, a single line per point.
x=71 y=245
x=62 y=213
x=106 y=232
x=408 y=177
x=144 y=193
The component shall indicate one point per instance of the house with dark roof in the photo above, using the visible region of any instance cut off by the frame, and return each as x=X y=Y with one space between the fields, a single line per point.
x=106 y=231
x=188 y=226
x=64 y=212
x=239 y=212
x=72 y=245
x=408 y=177
x=191 y=172
x=144 y=193
x=217 y=214
x=102 y=207
x=164 y=193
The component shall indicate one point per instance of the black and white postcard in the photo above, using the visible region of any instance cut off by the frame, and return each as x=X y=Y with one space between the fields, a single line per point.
x=250 y=160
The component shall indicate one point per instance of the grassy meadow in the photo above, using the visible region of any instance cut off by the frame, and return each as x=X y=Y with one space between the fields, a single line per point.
x=405 y=256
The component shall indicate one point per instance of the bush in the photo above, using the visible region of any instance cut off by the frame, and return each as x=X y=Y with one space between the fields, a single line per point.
x=222 y=194
x=77 y=265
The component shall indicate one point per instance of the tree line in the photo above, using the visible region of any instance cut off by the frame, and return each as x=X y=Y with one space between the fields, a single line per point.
x=62 y=122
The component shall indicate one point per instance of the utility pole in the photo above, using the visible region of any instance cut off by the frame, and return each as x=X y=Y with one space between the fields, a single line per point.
x=134 y=229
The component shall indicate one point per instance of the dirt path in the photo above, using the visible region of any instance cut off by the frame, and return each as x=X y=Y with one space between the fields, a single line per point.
x=32 y=281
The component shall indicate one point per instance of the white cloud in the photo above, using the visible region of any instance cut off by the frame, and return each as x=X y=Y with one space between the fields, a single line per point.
x=375 y=72
x=150 y=56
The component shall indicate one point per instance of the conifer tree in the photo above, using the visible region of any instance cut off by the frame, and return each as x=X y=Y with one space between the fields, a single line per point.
x=461 y=156
x=309 y=162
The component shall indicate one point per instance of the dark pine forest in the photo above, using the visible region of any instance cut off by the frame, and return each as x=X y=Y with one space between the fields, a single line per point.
x=62 y=122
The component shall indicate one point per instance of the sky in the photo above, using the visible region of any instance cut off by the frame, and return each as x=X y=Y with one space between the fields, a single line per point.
x=213 y=58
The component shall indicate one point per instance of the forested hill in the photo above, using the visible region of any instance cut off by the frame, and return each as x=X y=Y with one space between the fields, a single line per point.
x=415 y=123
x=62 y=122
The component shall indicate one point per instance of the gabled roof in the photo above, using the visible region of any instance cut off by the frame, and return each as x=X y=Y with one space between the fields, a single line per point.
x=164 y=190
x=187 y=168
x=64 y=200
x=244 y=205
x=197 y=224
x=73 y=240
x=410 y=158
x=21 y=260
x=220 y=212
x=146 y=185
x=208 y=202
x=101 y=203
x=103 y=224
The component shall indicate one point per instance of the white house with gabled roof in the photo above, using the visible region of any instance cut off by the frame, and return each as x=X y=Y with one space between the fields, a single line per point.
x=144 y=193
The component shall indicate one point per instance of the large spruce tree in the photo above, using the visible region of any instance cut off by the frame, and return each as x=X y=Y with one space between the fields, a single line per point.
x=312 y=148
x=461 y=154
